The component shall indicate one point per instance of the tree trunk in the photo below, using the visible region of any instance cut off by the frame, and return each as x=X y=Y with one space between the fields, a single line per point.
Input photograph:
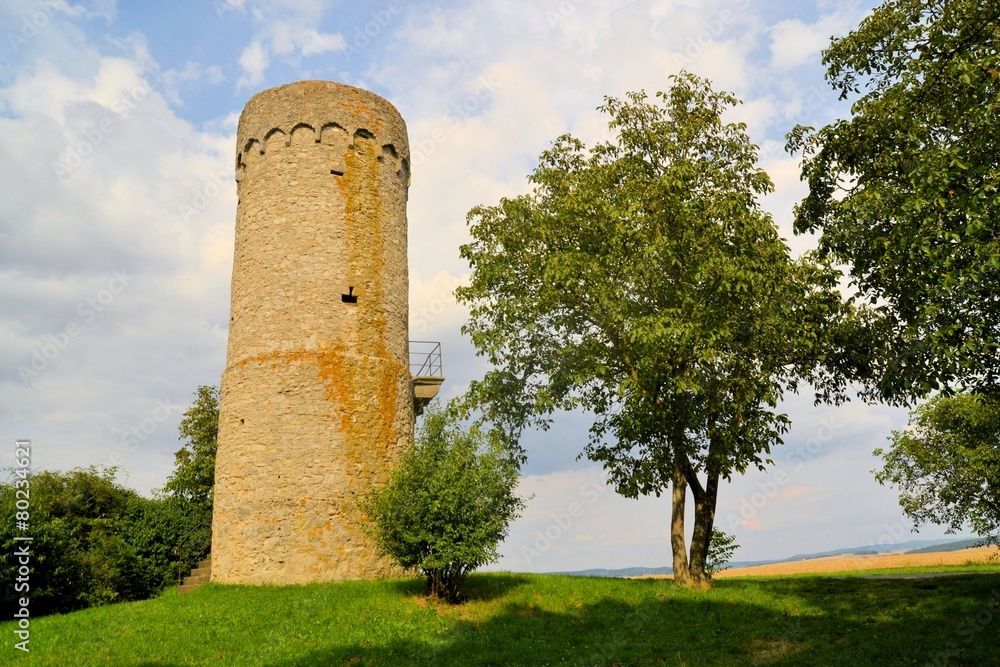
x=682 y=575
x=704 y=524
x=446 y=583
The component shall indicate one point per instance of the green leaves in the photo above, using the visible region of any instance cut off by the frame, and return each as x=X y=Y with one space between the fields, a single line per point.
x=641 y=281
x=94 y=541
x=447 y=503
x=193 y=478
x=946 y=463
x=720 y=551
x=905 y=191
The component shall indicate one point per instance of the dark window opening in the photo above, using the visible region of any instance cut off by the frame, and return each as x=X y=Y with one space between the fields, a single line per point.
x=350 y=297
x=336 y=173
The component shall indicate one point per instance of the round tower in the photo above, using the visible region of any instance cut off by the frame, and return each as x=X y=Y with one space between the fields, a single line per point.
x=316 y=398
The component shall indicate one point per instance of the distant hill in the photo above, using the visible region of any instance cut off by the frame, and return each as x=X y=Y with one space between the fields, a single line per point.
x=910 y=546
x=872 y=549
x=620 y=573
x=950 y=546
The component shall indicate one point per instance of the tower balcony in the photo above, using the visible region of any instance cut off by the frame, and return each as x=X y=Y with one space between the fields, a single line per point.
x=426 y=372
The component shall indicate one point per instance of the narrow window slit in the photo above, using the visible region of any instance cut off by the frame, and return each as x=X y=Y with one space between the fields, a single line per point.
x=336 y=173
x=350 y=297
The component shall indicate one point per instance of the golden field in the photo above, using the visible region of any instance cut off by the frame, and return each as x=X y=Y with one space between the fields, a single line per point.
x=881 y=561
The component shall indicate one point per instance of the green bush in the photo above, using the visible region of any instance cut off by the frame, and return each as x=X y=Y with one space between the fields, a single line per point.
x=156 y=527
x=446 y=506
x=93 y=542
x=720 y=551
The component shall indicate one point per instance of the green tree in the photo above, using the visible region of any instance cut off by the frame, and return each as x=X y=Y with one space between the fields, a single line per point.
x=187 y=495
x=907 y=191
x=193 y=478
x=641 y=281
x=91 y=541
x=720 y=551
x=447 y=504
x=946 y=463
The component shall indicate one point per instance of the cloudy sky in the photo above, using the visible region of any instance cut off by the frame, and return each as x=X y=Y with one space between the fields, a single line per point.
x=117 y=133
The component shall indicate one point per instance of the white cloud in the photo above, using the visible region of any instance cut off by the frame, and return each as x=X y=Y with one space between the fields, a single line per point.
x=291 y=38
x=795 y=43
x=312 y=42
x=285 y=29
x=192 y=73
x=433 y=308
x=239 y=5
x=254 y=61
x=113 y=299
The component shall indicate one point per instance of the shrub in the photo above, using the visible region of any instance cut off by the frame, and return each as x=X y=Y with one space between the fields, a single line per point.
x=93 y=542
x=96 y=542
x=720 y=551
x=447 y=504
x=154 y=530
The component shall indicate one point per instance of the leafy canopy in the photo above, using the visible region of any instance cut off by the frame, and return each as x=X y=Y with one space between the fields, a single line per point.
x=946 y=463
x=907 y=191
x=193 y=478
x=641 y=280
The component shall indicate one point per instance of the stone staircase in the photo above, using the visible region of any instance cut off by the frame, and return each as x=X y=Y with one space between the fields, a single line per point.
x=200 y=575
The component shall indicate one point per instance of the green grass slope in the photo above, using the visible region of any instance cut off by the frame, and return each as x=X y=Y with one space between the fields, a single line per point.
x=538 y=620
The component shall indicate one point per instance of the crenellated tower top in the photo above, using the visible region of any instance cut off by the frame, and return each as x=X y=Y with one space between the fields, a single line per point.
x=333 y=116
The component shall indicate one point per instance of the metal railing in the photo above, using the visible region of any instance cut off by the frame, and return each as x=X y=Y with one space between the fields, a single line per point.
x=425 y=358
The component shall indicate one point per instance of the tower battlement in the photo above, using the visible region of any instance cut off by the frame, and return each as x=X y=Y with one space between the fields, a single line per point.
x=299 y=115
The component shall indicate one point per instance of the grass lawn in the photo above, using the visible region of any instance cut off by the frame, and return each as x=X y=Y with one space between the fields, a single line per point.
x=538 y=620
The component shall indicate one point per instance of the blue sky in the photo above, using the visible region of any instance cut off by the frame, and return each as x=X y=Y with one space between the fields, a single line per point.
x=117 y=132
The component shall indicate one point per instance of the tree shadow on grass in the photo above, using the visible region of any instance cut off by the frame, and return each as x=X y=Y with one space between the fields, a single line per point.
x=478 y=587
x=781 y=622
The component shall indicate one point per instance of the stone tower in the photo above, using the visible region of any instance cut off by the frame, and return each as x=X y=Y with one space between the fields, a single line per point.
x=316 y=398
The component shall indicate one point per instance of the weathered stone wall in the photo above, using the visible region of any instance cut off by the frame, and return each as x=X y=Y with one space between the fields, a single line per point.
x=316 y=398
